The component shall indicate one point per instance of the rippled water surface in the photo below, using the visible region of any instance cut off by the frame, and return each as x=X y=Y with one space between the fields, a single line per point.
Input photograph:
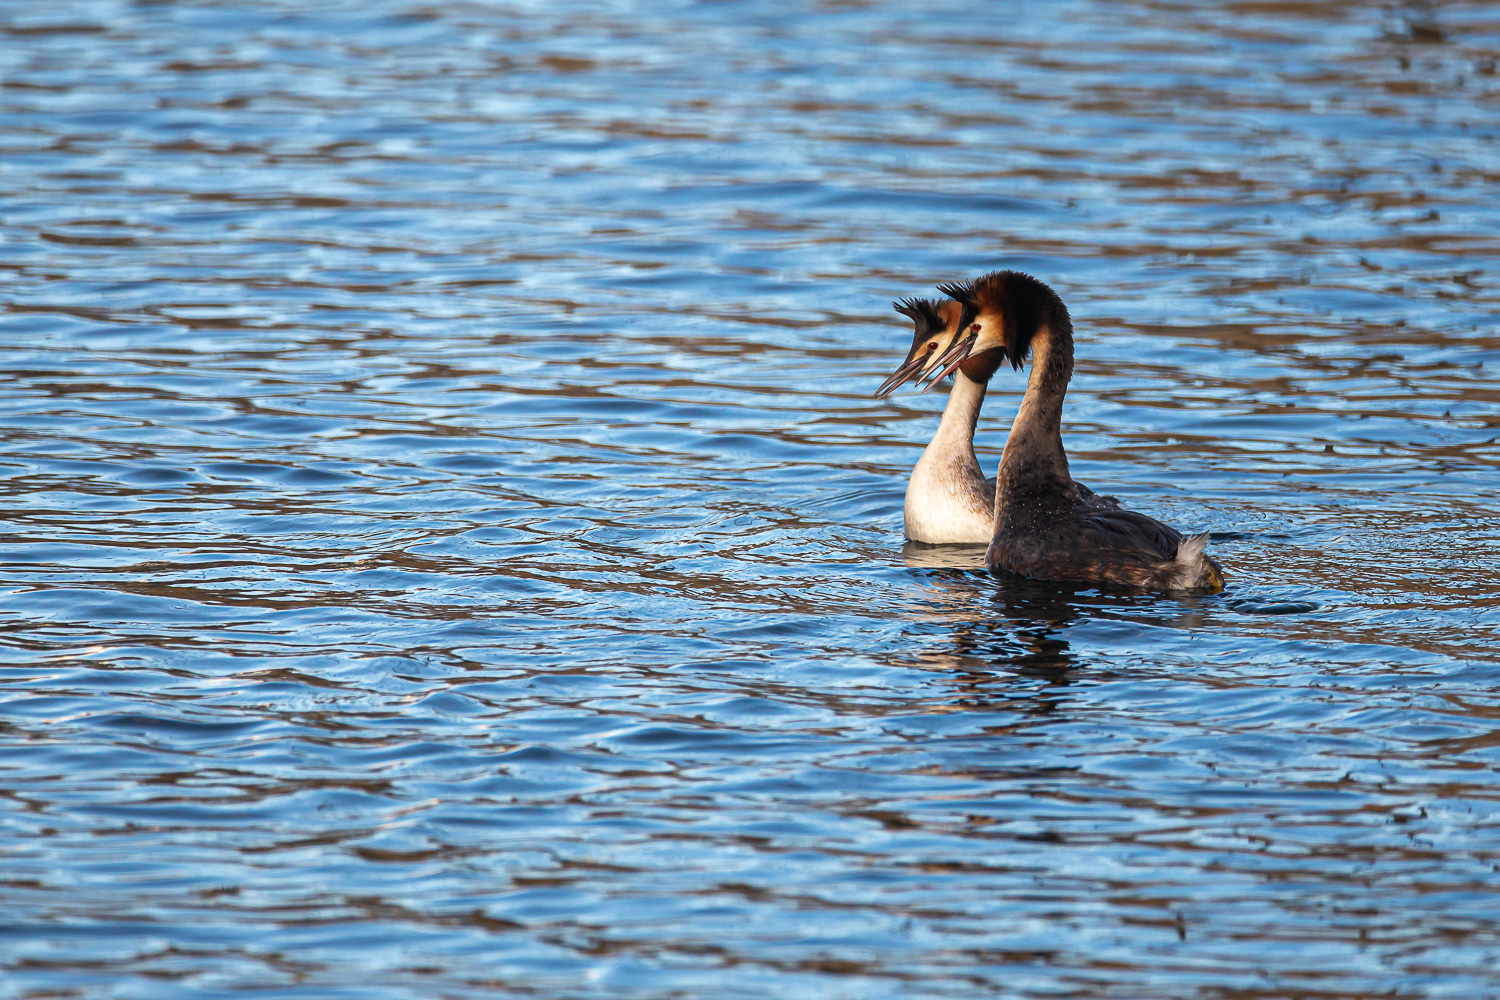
x=451 y=549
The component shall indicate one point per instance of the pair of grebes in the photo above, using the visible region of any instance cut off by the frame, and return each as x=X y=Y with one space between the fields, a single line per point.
x=1038 y=522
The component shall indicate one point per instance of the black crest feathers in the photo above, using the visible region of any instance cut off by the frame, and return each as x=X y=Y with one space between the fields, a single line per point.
x=922 y=312
x=962 y=291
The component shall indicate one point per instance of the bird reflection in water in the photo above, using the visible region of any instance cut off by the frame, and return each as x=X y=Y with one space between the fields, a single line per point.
x=1012 y=626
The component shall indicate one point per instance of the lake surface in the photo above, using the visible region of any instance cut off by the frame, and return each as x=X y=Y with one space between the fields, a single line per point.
x=451 y=549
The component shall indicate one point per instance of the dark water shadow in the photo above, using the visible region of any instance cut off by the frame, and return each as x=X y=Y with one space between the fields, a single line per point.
x=991 y=627
x=987 y=630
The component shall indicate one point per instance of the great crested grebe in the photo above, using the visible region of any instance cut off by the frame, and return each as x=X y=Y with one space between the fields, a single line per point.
x=947 y=498
x=1046 y=526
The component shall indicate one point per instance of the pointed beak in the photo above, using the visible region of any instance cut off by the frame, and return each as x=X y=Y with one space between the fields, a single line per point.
x=910 y=369
x=951 y=359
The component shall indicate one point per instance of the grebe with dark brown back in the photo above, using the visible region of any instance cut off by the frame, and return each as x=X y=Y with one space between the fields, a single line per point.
x=1046 y=525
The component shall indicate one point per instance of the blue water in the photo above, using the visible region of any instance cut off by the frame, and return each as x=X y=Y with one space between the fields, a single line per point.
x=451 y=549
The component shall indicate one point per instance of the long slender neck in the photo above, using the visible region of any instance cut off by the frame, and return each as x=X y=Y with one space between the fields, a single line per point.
x=956 y=430
x=1034 y=451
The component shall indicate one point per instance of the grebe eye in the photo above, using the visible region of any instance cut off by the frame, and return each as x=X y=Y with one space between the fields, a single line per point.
x=974 y=328
x=932 y=345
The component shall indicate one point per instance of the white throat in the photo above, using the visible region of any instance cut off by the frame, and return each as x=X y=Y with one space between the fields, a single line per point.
x=948 y=499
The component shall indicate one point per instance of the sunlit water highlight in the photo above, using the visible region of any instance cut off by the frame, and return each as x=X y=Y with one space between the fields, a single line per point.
x=451 y=549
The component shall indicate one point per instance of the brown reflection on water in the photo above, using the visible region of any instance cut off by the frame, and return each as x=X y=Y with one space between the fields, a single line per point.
x=451 y=543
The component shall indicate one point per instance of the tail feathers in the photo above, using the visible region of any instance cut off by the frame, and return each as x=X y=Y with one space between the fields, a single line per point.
x=1195 y=570
x=1190 y=550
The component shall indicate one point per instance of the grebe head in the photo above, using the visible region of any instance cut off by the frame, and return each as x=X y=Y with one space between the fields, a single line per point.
x=935 y=342
x=1008 y=308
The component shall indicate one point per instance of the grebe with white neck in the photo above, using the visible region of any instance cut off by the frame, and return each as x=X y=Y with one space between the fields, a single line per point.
x=948 y=499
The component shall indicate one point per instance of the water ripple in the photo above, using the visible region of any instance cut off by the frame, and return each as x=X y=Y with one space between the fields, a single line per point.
x=451 y=548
